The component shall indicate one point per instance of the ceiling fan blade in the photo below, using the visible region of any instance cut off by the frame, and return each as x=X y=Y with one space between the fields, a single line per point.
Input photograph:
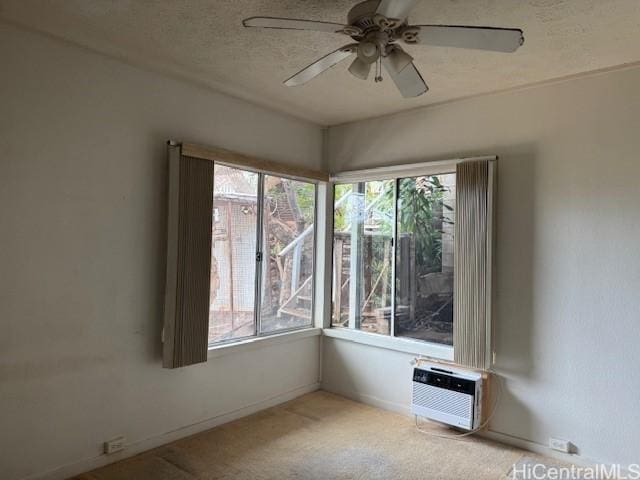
x=408 y=80
x=395 y=8
x=319 y=66
x=398 y=59
x=481 y=38
x=292 y=24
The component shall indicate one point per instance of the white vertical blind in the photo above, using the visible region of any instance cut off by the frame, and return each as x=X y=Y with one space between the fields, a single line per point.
x=473 y=244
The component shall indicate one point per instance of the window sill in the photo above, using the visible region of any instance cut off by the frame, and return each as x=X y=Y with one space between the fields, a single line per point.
x=414 y=347
x=254 y=343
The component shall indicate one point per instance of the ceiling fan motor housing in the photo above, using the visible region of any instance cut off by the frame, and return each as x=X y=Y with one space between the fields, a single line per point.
x=364 y=18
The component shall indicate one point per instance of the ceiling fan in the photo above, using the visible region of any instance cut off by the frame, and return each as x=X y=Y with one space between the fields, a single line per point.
x=377 y=26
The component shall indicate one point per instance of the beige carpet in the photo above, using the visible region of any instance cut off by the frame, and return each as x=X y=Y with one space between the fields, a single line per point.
x=317 y=436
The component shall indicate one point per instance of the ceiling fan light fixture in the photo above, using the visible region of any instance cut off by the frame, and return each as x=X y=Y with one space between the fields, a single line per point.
x=368 y=52
x=360 y=69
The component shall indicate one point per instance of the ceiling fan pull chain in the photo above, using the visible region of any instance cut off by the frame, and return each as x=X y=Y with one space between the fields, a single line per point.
x=378 y=70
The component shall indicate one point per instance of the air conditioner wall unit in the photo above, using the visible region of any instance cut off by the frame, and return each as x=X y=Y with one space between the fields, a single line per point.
x=448 y=395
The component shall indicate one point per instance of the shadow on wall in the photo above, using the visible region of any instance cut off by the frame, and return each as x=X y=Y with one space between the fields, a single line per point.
x=368 y=374
x=513 y=308
x=514 y=328
x=338 y=375
x=159 y=249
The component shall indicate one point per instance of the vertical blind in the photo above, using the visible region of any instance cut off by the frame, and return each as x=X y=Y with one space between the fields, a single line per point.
x=472 y=259
x=189 y=260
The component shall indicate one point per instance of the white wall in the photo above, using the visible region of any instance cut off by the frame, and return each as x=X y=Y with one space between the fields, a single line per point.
x=82 y=218
x=82 y=211
x=568 y=259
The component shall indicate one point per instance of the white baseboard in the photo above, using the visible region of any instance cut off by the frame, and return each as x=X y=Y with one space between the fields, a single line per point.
x=81 y=466
x=536 y=447
x=499 y=437
x=371 y=400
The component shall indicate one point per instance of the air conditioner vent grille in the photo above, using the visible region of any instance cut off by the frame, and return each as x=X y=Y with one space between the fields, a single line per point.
x=446 y=401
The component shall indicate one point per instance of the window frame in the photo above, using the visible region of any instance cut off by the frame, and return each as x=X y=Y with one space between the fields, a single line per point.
x=223 y=344
x=395 y=173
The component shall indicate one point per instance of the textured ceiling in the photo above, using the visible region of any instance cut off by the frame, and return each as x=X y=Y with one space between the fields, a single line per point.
x=203 y=40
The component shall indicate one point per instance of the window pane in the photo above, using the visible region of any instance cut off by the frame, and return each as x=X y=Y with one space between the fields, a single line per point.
x=363 y=250
x=424 y=258
x=233 y=262
x=287 y=245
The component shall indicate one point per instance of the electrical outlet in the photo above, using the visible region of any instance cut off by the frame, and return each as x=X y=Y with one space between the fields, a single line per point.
x=114 y=445
x=560 y=445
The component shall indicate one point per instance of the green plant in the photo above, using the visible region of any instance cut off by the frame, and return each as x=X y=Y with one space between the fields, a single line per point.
x=420 y=216
x=305 y=197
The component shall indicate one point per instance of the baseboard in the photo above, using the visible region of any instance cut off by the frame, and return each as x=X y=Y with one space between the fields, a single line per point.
x=499 y=437
x=370 y=400
x=81 y=466
x=536 y=447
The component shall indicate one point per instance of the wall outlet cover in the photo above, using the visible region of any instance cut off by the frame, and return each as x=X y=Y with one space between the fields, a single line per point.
x=114 y=445
x=560 y=445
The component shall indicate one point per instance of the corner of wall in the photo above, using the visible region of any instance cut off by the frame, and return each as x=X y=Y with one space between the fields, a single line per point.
x=324 y=156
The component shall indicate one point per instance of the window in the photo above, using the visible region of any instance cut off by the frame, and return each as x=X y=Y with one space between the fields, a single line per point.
x=363 y=249
x=262 y=248
x=233 y=253
x=393 y=257
x=241 y=239
x=287 y=244
x=424 y=258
